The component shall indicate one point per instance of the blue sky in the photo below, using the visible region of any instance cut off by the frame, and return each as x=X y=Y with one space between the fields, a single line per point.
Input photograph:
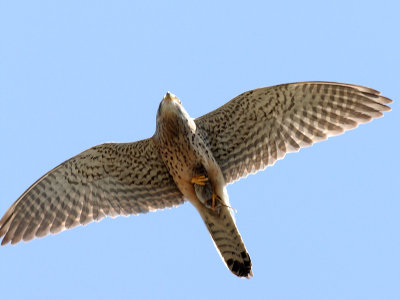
x=321 y=224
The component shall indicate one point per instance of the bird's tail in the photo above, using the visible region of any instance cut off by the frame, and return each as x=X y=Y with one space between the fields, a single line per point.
x=226 y=237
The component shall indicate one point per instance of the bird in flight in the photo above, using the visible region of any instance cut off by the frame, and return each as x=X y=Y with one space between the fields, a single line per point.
x=191 y=159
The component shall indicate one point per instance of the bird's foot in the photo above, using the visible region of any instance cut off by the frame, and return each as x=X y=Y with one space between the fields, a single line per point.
x=200 y=180
x=214 y=199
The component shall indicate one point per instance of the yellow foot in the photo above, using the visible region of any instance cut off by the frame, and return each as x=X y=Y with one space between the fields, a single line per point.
x=214 y=197
x=200 y=180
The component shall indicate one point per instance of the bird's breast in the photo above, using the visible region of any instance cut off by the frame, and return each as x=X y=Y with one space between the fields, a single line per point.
x=184 y=150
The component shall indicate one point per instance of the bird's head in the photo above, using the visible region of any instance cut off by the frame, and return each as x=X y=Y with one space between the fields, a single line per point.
x=170 y=106
x=171 y=112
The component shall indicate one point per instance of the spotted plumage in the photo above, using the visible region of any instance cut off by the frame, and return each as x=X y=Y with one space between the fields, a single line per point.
x=192 y=159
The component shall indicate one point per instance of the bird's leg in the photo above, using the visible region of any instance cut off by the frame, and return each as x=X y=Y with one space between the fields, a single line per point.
x=213 y=201
x=205 y=191
x=214 y=197
x=200 y=180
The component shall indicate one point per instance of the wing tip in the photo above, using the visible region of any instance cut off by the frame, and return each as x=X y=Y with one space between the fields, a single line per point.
x=4 y=242
x=5 y=223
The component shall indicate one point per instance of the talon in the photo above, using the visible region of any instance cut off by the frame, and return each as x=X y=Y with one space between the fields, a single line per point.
x=200 y=180
x=213 y=198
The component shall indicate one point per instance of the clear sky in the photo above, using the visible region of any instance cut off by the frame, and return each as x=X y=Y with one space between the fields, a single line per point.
x=323 y=223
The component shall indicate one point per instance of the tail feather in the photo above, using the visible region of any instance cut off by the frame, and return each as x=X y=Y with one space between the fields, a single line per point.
x=228 y=241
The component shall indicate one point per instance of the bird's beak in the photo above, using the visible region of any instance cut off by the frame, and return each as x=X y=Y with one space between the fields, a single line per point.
x=169 y=97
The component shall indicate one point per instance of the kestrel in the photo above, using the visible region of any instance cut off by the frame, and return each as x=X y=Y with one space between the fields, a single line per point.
x=191 y=159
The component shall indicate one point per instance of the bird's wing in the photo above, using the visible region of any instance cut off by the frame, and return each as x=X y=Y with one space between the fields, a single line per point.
x=258 y=127
x=107 y=180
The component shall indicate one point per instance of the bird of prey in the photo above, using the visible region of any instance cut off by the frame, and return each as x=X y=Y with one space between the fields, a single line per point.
x=191 y=159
